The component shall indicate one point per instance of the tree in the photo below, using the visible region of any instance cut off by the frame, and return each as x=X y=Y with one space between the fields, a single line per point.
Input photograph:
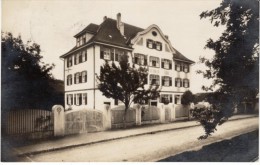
x=125 y=83
x=235 y=65
x=187 y=97
x=26 y=81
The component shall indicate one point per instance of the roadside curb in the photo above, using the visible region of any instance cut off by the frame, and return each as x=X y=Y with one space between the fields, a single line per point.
x=19 y=154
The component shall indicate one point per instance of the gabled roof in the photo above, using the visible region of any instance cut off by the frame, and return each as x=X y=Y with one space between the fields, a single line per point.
x=107 y=33
x=178 y=56
x=91 y=28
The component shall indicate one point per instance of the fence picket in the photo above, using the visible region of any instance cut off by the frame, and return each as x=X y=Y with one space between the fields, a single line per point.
x=25 y=121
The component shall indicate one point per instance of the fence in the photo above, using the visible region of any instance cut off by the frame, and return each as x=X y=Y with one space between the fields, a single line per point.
x=181 y=111
x=150 y=114
x=117 y=116
x=83 y=121
x=29 y=122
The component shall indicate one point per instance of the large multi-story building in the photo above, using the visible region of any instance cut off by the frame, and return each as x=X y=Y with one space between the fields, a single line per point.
x=168 y=68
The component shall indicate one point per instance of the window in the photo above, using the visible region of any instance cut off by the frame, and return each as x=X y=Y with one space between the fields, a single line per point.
x=69 y=99
x=178 y=82
x=78 y=99
x=166 y=64
x=154 y=33
x=84 y=56
x=149 y=44
x=154 y=61
x=166 y=81
x=154 y=79
x=158 y=46
x=80 y=57
x=177 y=99
x=186 y=68
x=178 y=67
x=83 y=39
x=76 y=59
x=106 y=53
x=84 y=99
x=166 y=98
x=77 y=78
x=140 y=59
x=69 y=61
x=78 y=42
x=84 y=76
x=69 y=79
x=119 y=54
x=186 y=83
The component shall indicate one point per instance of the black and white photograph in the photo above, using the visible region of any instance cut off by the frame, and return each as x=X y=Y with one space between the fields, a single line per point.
x=130 y=81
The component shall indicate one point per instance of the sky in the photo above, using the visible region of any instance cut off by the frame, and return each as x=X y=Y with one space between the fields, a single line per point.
x=53 y=23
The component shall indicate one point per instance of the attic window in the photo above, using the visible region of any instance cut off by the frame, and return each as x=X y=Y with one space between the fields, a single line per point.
x=154 y=33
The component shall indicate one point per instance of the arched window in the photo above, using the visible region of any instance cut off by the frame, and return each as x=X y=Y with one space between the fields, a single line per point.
x=84 y=76
x=69 y=79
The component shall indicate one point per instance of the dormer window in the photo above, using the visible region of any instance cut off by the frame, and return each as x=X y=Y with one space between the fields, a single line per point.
x=83 y=39
x=78 y=42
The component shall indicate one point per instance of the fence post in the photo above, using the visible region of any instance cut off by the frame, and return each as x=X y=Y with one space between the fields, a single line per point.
x=173 y=113
x=138 y=114
x=107 y=116
x=59 y=120
x=162 y=112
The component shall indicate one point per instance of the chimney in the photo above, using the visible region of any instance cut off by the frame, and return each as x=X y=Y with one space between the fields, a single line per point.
x=104 y=18
x=119 y=24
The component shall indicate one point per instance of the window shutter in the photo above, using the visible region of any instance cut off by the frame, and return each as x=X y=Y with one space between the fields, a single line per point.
x=176 y=67
x=75 y=60
x=116 y=57
x=181 y=68
x=154 y=45
x=80 y=99
x=188 y=84
x=101 y=54
x=86 y=77
x=145 y=60
x=86 y=55
x=74 y=78
x=175 y=82
x=75 y=99
x=170 y=98
x=170 y=65
x=116 y=101
x=147 y=43
x=181 y=83
x=163 y=80
x=162 y=64
x=68 y=62
x=170 y=82
x=80 y=78
x=188 y=69
x=67 y=99
x=112 y=56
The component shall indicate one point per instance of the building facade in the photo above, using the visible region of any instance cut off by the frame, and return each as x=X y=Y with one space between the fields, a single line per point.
x=96 y=44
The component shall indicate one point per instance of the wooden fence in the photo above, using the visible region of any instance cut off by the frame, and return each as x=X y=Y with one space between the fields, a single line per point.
x=28 y=121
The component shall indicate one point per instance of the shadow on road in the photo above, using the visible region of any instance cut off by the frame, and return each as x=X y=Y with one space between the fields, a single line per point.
x=243 y=148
